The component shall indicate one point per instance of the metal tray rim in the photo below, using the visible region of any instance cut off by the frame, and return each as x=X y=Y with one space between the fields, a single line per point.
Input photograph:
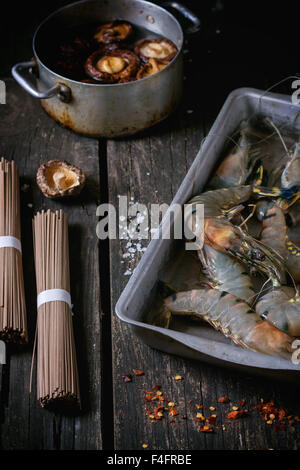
x=249 y=358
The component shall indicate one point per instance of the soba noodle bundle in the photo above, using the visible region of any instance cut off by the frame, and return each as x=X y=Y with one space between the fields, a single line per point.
x=57 y=374
x=13 y=321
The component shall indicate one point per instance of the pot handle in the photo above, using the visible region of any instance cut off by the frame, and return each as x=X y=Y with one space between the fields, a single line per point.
x=187 y=13
x=60 y=89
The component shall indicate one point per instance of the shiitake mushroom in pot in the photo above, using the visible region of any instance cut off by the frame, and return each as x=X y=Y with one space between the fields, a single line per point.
x=158 y=48
x=89 y=106
x=85 y=54
x=151 y=67
x=110 y=66
x=113 y=32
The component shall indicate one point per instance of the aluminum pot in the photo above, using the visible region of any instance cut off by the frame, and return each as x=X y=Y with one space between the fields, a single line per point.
x=108 y=110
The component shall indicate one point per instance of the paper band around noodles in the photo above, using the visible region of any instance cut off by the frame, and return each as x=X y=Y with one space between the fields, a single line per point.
x=52 y=295
x=10 y=242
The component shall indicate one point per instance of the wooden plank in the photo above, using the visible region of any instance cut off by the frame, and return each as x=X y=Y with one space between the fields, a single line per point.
x=30 y=137
x=149 y=168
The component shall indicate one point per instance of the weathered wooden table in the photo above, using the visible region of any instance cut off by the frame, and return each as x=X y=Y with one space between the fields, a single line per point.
x=149 y=168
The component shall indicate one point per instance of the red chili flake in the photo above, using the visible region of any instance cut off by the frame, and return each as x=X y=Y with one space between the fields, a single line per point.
x=189 y=402
x=211 y=420
x=242 y=402
x=158 y=410
x=172 y=421
x=127 y=377
x=172 y=412
x=183 y=417
x=146 y=391
x=296 y=418
x=281 y=414
x=138 y=372
x=236 y=414
x=206 y=428
x=156 y=387
x=223 y=400
x=291 y=422
x=198 y=420
x=199 y=407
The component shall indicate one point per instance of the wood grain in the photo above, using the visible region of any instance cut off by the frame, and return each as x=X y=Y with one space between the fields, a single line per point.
x=29 y=137
x=150 y=168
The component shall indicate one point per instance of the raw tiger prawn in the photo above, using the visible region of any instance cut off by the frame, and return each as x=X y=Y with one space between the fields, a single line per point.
x=220 y=233
x=280 y=306
x=234 y=318
x=239 y=164
x=226 y=306
x=266 y=326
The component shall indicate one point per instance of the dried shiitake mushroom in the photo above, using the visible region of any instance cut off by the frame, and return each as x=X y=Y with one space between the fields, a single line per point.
x=110 y=66
x=151 y=67
x=57 y=178
x=115 y=31
x=159 y=48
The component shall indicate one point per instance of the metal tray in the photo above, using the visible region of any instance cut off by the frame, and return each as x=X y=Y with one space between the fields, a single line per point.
x=202 y=342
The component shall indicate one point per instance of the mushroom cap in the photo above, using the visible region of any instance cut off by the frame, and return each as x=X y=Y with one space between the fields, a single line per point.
x=110 y=66
x=158 y=48
x=57 y=179
x=151 y=67
x=115 y=31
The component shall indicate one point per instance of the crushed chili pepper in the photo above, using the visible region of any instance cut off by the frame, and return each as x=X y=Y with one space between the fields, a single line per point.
x=137 y=372
x=156 y=387
x=278 y=418
x=199 y=407
x=158 y=412
x=236 y=414
x=206 y=428
x=211 y=420
x=172 y=412
x=223 y=400
x=127 y=377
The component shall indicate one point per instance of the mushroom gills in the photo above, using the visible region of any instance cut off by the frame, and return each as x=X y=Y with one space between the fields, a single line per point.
x=151 y=67
x=61 y=178
x=111 y=64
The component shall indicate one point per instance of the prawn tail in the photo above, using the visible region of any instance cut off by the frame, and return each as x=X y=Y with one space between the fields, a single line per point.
x=234 y=318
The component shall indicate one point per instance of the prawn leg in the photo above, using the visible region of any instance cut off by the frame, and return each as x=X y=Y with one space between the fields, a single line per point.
x=226 y=273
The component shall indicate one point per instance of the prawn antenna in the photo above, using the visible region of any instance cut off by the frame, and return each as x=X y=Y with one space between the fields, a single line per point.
x=279 y=135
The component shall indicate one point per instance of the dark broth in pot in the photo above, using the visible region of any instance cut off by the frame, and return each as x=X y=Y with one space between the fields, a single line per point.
x=73 y=46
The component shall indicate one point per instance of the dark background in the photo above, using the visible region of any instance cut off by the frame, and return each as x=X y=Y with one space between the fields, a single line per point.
x=257 y=44
x=240 y=44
